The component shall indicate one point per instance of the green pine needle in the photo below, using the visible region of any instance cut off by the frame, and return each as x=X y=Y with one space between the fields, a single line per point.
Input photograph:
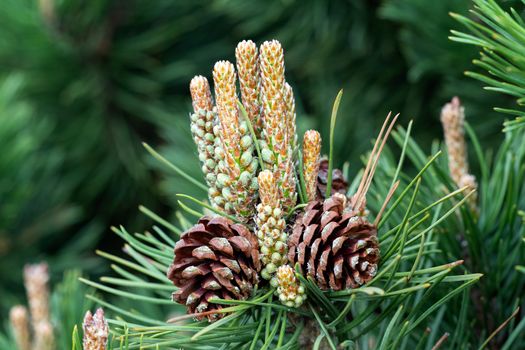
x=333 y=118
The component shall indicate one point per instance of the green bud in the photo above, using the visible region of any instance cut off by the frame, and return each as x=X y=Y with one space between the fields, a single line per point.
x=210 y=177
x=246 y=142
x=219 y=200
x=226 y=193
x=276 y=234
x=219 y=152
x=245 y=178
x=271 y=267
x=267 y=155
x=210 y=163
x=243 y=128
x=268 y=241
x=223 y=179
x=276 y=258
x=254 y=165
x=246 y=159
x=280 y=247
x=265 y=274
x=254 y=185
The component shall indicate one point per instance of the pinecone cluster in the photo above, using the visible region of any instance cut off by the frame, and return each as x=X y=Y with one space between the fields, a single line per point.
x=248 y=154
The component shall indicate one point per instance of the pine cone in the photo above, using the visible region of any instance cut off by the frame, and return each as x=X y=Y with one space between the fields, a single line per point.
x=339 y=183
x=214 y=259
x=335 y=246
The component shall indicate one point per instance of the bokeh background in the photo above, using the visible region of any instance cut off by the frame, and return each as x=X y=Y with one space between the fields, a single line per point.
x=83 y=83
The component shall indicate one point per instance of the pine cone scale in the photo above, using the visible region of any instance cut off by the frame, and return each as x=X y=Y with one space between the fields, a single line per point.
x=222 y=244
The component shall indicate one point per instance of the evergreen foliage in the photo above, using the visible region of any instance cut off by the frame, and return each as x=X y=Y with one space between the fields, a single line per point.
x=35 y=198
x=391 y=311
x=83 y=83
x=489 y=239
x=501 y=35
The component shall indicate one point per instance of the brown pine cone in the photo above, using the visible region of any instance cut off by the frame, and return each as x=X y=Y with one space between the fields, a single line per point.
x=339 y=183
x=214 y=259
x=335 y=246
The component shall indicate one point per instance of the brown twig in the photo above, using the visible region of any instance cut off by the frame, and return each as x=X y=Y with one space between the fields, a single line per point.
x=501 y=326
x=440 y=342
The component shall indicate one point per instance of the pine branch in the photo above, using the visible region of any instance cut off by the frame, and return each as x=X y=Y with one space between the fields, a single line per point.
x=500 y=35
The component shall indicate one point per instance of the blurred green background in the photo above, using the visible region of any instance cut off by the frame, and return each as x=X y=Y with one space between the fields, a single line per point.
x=83 y=83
